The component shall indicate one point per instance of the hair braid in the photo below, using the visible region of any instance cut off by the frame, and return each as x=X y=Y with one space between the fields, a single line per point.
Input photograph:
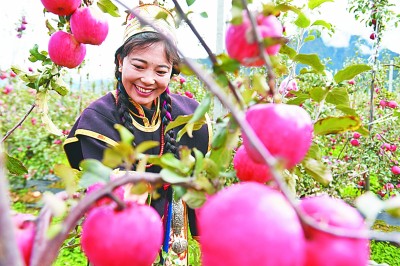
x=166 y=110
x=123 y=109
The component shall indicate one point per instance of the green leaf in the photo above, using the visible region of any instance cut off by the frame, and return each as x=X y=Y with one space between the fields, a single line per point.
x=168 y=160
x=126 y=136
x=199 y=156
x=350 y=72
x=299 y=99
x=93 y=172
x=346 y=109
x=226 y=64
x=338 y=96
x=108 y=7
x=35 y=55
x=287 y=50
x=69 y=177
x=314 y=152
x=302 y=20
x=260 y=84
x=335 y=125
x=204 y=14
x=311 y=60
x=202 y=109
x=322 y=23
x=318 y=171
x=309 y=38
x=172 y=177
x=318 y=93
x=179 y=121
x=59 y=86
x=146 y=145
x=194 y=199
x=190 y=2
x=316 y=3
x=15 y=166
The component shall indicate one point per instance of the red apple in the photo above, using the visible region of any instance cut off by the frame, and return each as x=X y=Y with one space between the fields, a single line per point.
x=247 y=169
x=241 y=44
x=24 y=227
x=395 y=170
x=89 y=26
x=356 y=135
x=189 y=94
x=351 y=82
x=285 y=130
x=323 y=246
x=250 y=224
x=112 y=237
x=372 y=36
x=383 y=103
x=392 y=104
x=119 y=192
x=355 y=142
x=61 y=7
x=65 y=50
x=287 y=86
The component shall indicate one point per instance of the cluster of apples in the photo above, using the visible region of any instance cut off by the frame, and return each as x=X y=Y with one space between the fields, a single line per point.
x=259 y=226
x=88 y=26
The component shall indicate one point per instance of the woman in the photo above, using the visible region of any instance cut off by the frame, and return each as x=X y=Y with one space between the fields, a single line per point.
x=141 y=102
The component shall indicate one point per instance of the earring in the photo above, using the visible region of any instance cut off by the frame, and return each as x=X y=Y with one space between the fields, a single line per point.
x=120 y=69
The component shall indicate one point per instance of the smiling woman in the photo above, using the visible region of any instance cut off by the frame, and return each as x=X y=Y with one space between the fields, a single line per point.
x=143 y=104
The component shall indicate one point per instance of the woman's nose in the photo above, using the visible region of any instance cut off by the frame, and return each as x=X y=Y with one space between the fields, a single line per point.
x=148 y=78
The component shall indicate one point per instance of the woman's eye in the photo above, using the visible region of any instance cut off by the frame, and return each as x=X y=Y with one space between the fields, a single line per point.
x=138 y=67
x=161 y=72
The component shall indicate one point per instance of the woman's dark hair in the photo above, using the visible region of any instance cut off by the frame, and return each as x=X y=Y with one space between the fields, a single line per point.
x=139 y=42
x=142 y=41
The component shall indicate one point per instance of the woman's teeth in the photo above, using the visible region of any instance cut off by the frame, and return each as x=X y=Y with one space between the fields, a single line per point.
x=143 y=90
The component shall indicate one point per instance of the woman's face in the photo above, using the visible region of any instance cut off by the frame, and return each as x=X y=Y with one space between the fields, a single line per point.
x=146 y=73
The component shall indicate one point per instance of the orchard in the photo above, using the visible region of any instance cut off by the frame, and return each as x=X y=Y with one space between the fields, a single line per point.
x=302 y=166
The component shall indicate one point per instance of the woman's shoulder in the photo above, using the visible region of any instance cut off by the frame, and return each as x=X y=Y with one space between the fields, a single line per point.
x=105 y=102
x=183 y=104
x=102 y=108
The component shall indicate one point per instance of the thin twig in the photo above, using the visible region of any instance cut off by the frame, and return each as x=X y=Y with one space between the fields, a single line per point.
x=212 y=57
x=18 y=124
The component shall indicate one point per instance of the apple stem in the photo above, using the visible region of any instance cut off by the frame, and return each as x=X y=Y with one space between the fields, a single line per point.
x=120 y=204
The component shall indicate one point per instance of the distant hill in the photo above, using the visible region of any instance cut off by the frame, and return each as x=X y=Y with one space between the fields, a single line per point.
x=340 y=55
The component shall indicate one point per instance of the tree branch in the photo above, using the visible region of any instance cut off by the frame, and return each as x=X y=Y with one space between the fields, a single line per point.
x=18 y=124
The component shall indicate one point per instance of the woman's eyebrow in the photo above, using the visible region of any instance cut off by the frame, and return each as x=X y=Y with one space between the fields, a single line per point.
x=145 y=62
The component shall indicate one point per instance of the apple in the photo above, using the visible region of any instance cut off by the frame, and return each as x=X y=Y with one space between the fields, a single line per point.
x=7 y=89
x=372 y=36
x=247 y=169
x=241 y=44
x=65 y=50
x=355 y=142
x=392 y=104
x=119 y=192
x=351 y=82
x=249 y=223
x=89 y=26
x=285 y=130
x=322 y=246
x=287 y=86
x=395 y=170
x=61 y=7
x=189 y=94
x=114 y=237
x=383 y=103
x=25 y=227
x=356 y=135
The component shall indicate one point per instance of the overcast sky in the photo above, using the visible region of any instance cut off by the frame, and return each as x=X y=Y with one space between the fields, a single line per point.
x=100 y=59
